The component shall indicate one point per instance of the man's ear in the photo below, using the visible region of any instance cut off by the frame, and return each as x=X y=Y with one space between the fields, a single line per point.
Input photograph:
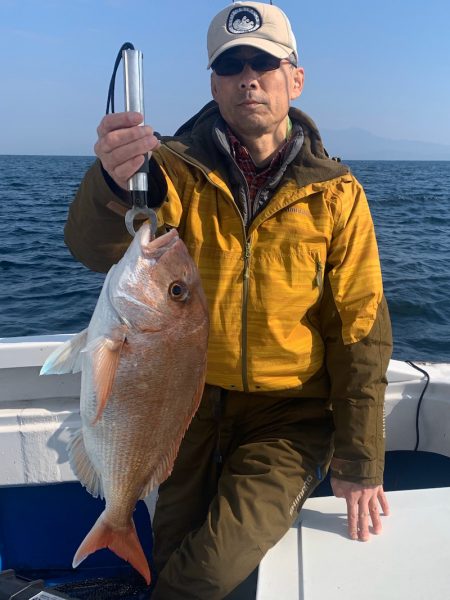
x=299 y=78
x=213 y=86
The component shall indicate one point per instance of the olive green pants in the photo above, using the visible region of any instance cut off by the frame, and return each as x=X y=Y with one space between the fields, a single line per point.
x=244 y=469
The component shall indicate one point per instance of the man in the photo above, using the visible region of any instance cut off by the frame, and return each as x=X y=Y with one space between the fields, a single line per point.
x=300 y=335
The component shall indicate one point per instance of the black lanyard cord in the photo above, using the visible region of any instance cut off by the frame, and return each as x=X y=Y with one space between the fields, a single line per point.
x=112 y=83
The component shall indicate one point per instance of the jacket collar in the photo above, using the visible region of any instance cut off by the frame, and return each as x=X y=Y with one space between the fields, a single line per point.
x=195 y=141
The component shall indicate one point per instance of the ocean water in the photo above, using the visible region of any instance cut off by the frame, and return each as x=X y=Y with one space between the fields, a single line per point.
x=43 y=290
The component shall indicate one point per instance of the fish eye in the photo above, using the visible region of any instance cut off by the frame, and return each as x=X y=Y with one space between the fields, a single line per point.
x=178 y=291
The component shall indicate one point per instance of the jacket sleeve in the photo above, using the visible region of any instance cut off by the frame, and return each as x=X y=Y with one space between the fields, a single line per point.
x=358 y=341
x=95 y=231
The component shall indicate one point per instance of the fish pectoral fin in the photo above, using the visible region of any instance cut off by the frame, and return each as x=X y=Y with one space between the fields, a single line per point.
x=82 y=465
x=123 y=541
x=105 y=352
x=67 y=357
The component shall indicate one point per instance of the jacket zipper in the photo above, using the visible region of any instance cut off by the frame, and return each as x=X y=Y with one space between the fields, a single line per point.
x=246 y=275
x=247 y=252
x=245 y=285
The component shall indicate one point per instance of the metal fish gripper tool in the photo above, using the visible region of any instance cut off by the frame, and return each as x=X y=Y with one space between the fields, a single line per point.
x=134 y=101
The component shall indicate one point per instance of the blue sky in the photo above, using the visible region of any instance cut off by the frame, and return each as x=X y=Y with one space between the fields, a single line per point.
x=381 y=66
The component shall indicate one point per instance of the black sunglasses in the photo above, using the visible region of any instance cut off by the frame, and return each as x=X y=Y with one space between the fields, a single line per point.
x=230 y=65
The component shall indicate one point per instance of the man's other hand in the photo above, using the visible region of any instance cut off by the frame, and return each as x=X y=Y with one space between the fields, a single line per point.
x=362 y=502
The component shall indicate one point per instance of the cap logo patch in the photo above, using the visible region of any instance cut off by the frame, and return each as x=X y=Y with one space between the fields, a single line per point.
x=243 y=20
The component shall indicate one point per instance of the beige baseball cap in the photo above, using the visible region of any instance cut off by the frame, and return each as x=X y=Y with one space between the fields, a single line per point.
x=255 y=24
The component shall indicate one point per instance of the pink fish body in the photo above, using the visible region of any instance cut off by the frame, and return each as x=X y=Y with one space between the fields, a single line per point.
x=143 y=363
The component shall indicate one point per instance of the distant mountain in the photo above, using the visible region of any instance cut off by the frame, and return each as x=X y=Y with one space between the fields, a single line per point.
x=358 y=144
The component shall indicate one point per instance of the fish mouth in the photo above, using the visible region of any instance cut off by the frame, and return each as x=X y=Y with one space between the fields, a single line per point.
x=158 y=246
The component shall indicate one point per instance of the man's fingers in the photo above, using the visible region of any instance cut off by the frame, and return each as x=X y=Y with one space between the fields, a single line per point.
x=363 y=507
x=123 y=172
x=352 y=516
x=363 y=521
x=383 y=501
x=121 y=154
x=122 y=139
x=375 y=516
x=122 y=151
x=120 y=120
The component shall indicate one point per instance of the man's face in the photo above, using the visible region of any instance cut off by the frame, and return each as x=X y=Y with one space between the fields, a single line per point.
x=254 y=103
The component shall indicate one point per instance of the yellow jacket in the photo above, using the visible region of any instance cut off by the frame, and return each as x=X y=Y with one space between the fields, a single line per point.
x=296 y=299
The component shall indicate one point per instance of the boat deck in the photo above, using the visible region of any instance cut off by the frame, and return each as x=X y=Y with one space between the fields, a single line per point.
x=317 y=560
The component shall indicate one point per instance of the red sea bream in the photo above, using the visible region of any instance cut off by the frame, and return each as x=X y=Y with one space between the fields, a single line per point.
x=143 y=363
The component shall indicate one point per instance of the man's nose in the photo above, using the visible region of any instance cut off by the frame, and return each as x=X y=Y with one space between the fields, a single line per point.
x=249 y=78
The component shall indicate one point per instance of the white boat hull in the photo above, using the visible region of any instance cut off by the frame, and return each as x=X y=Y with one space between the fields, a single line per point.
x=39 y=414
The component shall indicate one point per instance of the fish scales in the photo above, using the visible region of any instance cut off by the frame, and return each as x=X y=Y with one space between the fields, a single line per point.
x=143 y=363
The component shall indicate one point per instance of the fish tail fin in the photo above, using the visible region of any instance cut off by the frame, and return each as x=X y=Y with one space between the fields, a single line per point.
x=122 y=541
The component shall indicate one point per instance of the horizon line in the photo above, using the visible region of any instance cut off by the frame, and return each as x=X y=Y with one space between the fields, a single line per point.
x=341 y=159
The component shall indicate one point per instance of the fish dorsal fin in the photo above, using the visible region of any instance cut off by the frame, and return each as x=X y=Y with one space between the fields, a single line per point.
x=82 y=465
x=105 y=353
x=66 y=358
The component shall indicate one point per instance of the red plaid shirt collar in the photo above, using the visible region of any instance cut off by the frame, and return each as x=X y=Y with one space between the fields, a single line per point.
x=256 y=178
